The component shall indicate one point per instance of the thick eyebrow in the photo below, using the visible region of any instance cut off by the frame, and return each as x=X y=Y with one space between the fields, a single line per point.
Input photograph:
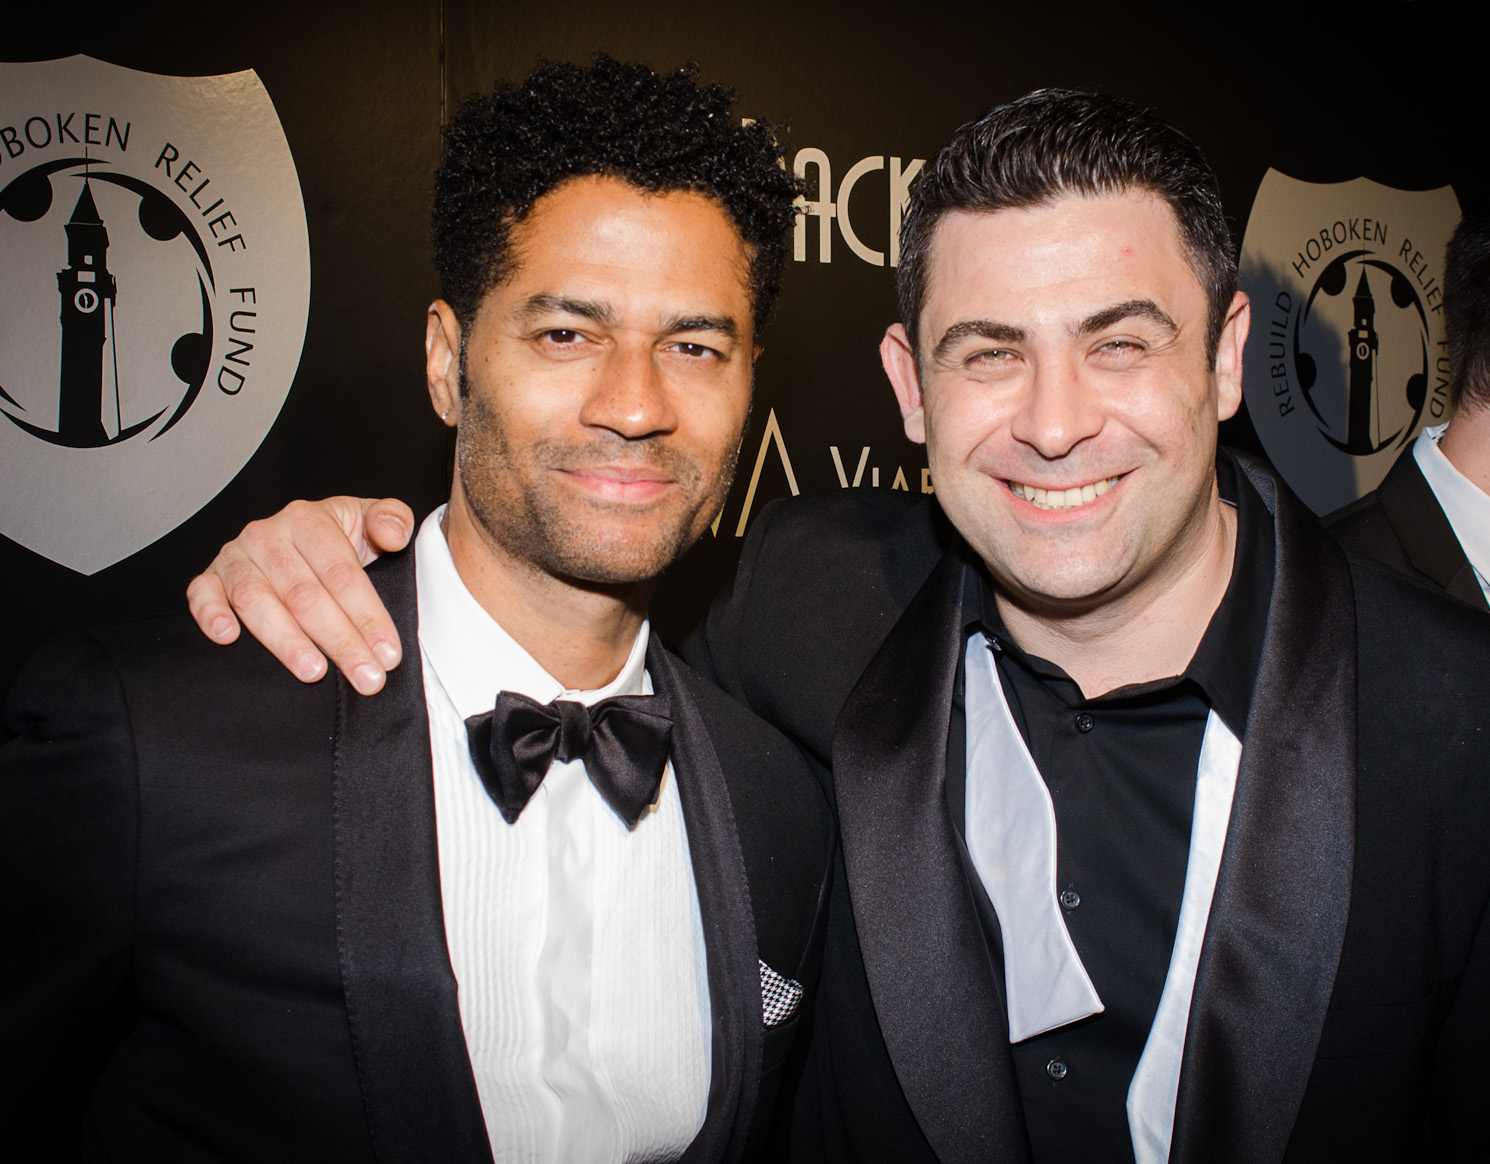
x=598 y=312
x=584 y=308
x=1132 y=309
x=1003 y=333
x=723 y=324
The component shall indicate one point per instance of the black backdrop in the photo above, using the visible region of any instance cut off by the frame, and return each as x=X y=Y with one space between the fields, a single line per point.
x=1393 y=91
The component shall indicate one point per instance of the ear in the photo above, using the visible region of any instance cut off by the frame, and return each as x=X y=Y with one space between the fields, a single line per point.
x=442 y=360
x=1229 y=356
x=900 y=365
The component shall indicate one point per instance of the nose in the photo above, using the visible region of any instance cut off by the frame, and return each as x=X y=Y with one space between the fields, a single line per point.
x=1057 y=410
x=630 y=396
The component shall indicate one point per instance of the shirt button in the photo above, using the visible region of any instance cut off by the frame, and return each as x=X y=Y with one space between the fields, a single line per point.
x=993 y=644
x=1084 y=722
x=1056 y=1070
x=1070 y=899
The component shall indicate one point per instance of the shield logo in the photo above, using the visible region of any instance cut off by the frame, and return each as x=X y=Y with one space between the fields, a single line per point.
x=1346 y=359
x=153 y=299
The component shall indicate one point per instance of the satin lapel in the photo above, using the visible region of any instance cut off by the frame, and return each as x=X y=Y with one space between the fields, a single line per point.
x=729 y=926
x=1423 y=528
x=1277 y=921
x=417 y=1086
x=927 y=961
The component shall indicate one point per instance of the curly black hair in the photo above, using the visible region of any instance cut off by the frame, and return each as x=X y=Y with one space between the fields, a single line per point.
x=660 y=132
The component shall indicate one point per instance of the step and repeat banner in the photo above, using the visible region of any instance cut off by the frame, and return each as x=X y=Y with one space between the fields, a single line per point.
x=214 y=256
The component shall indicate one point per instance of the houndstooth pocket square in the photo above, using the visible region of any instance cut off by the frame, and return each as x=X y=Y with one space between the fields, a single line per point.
x=779 y=996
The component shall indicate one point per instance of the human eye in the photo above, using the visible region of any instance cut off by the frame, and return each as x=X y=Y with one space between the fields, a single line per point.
x=1119 y=351
x=561 y=343
x=989 y=359
x=695 y=352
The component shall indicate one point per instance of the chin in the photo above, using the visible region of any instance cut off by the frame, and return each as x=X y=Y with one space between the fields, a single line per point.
x=620 y=563
x=1065 y=583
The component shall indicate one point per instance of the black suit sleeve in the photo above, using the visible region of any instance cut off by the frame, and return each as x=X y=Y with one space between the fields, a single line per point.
x=1461 y=1071
x=69 y=811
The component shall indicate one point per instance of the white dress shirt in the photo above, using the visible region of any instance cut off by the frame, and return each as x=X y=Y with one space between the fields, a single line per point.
x=577 y=944
x=1464 y=503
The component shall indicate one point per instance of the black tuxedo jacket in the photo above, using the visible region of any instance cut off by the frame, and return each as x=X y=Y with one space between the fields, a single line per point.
x=1342 y=1002
x=220 y=918
x=1403 y=527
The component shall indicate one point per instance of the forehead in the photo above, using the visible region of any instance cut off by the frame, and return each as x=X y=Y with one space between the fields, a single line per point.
x=603 y=235
x=1065 y=257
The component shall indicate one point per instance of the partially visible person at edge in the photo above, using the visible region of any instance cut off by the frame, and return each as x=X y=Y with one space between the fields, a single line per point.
x=1163 y=822
x=1430 y=516
x=550 y=895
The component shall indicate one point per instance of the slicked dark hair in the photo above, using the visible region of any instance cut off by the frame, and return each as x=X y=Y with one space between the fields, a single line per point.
x=1055 y=142
x=660 y=132
x=1466 y=309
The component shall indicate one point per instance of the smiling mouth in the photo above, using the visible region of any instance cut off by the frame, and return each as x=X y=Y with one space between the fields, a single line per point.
x=624 y=475
x=628 y=483
x=1063 y=498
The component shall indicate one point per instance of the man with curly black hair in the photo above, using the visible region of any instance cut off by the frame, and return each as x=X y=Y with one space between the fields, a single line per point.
x=549 y=896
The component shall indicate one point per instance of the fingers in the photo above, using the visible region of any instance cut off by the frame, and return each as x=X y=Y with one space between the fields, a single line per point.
x=387 y=526
x=208 y=603
x=296 y=581
x=262 y=611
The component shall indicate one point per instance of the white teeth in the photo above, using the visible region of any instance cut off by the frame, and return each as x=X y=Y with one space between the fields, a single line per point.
x=1062 y=498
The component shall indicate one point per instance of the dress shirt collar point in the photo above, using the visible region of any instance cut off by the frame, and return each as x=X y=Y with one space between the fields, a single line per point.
x=474 y=657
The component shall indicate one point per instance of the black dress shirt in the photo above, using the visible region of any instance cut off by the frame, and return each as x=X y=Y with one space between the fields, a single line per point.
x=1121 y=771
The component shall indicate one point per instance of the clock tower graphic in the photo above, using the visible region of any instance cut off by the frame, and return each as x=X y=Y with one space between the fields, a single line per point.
x=1364 y=344
x=164 y=213
x=85 y=285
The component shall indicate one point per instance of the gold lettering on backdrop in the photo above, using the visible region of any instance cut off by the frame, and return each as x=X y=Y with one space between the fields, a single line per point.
x=772 y=433
x=863 y=166
x=822 y=206
x=838 y=466
x=825 y=209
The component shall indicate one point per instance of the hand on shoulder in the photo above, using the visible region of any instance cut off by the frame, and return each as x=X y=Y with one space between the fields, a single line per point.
x=297 y=581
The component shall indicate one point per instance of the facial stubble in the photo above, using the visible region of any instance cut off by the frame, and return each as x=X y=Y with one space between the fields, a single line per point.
x=544 y=525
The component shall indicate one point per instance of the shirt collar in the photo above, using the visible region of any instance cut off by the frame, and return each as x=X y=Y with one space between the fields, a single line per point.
x=1225 y=663
x=1465 y=505
x=473 y=656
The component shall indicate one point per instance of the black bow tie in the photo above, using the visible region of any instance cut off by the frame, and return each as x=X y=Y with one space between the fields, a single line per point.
x=623 y=742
